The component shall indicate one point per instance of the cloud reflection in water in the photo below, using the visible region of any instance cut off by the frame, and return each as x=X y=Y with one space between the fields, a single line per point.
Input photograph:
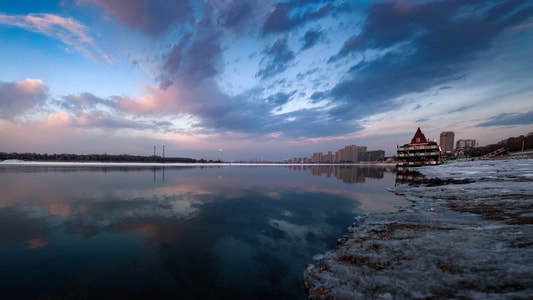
x=241 y=232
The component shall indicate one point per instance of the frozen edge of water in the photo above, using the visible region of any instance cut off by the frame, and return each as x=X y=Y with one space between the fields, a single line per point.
x=430 y=250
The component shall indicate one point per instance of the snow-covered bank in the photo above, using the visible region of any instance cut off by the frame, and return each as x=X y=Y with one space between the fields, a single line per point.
x=471 y=240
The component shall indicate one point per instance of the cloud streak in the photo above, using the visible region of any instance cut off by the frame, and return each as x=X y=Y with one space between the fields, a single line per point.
x=66 y=30
x=509 y=119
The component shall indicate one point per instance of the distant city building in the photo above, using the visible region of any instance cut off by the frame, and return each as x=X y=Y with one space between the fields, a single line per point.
x=316 y=157
x=465 y=144
x=328 y=158
x=446 y=141
x=349 y=154
x=297 y=160
x=377 y=155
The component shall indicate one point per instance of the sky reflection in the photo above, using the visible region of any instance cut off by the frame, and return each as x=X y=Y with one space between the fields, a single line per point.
x=243 y=232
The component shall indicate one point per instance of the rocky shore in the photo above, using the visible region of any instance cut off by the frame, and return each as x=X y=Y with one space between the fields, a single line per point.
x=468 y=235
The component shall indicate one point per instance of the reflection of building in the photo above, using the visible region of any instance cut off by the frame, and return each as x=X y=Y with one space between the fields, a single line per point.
x=348 y=174
x=446 y=141
x=419 y=152
x=408 y=176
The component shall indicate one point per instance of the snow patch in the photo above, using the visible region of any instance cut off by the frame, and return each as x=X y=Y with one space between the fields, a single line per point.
x=476 y=243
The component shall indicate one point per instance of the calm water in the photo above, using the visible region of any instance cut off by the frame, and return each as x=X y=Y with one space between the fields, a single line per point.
x=175 y=232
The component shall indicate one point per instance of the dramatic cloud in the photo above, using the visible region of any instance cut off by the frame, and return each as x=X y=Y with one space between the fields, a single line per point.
x=196 y=58
x=292 y=73
x=67 y=30
x=422 y=46
x=509 y=119
x=17 y=98
x=417 y=46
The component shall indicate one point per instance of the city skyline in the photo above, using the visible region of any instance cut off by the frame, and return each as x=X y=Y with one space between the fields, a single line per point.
x=260 y=79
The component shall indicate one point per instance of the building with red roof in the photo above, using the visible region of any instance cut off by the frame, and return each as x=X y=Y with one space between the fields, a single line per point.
x=420 y=152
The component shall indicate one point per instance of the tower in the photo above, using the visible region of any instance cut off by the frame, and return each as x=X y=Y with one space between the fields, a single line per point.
x=446 y=141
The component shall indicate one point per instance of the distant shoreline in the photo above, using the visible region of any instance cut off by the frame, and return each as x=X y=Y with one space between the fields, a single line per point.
x=15 y=162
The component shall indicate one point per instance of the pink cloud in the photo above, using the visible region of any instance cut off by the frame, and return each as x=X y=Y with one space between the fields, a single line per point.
x=156 y=101
x=152 y=17
x=59 y=119
x=21 y=97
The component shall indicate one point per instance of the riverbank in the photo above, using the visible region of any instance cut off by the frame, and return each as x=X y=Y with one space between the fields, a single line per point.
x=471 y=237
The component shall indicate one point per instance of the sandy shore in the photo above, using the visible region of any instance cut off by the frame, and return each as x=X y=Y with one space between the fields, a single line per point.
x=468 y=235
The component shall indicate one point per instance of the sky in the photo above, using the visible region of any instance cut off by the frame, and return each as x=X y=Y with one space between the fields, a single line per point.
x=260 y=79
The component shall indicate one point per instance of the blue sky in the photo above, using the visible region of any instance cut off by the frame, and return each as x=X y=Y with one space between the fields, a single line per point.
x=260 y=79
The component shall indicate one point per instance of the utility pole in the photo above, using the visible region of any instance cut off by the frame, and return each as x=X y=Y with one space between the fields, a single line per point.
x=163 y=151
x=154 y=150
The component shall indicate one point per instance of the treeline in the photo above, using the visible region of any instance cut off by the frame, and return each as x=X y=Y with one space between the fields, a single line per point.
x=66 y=157
x=512 y=144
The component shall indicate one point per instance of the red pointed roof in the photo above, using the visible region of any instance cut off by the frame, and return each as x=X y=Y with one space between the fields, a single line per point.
x=419 y=137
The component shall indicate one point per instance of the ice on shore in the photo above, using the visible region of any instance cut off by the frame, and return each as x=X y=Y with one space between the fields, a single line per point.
x=471 y=240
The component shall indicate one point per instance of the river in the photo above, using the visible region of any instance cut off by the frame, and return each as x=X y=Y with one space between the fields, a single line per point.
x=117 y=231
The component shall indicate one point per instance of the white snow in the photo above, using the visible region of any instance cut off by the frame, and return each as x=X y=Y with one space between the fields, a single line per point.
x=476 y=242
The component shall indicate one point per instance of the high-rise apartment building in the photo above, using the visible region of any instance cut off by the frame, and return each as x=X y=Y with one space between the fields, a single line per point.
x=465 y=144
x=317 y=157
x=349 y=154
x=446 y=141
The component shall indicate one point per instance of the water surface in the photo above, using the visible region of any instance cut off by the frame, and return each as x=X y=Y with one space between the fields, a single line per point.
x=169 y=232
